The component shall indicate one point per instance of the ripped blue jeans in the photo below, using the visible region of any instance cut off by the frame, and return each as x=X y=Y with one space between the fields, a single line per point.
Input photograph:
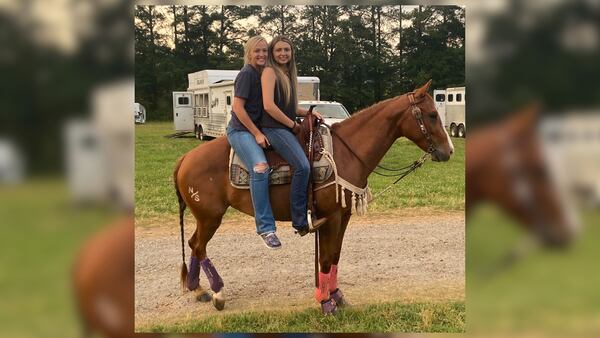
x=252 y=154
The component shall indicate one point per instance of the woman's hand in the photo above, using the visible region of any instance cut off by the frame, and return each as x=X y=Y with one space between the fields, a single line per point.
x=317 y=115
x=296 y=129
x=262 y=140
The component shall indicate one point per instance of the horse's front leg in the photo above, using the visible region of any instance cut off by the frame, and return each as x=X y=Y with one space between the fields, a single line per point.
x=334 y=290
x=328 y=234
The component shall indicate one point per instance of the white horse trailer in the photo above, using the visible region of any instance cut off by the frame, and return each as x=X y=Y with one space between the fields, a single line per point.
x=183 y=111
x=205 y=108
x=572 y=150
x=450 y=104
x=439 y=96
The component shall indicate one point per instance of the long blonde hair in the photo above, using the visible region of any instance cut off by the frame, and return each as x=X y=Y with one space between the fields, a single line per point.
x=249 y=47
x=287 y=84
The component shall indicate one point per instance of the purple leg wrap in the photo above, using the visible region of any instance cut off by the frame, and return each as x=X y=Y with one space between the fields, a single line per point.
x=216 y=283
x=338 y=296
x=329 y=307
x=193 y=277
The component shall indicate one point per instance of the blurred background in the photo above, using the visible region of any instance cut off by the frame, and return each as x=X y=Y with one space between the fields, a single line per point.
x=534 y=116
x=66 y=166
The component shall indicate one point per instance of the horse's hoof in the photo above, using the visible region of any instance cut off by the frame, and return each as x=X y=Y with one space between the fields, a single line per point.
x=203 y=295
x=338 y=296
x=218 y=300
x=329 y=307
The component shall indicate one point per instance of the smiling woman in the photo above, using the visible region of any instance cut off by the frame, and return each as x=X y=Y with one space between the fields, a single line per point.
x=279 y=81
x=248 y=141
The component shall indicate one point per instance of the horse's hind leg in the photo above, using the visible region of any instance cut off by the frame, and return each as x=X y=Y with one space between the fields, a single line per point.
x=205 y=230
x=193 y=276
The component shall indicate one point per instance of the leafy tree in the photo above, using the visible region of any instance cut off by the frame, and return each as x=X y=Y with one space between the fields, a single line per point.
x=361 y=54
x=279 y=20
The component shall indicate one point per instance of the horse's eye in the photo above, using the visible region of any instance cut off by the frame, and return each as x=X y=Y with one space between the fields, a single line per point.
x=433 y=116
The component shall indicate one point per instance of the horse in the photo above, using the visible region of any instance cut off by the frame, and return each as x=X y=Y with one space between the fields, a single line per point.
x=505 y=165
x=359 y=143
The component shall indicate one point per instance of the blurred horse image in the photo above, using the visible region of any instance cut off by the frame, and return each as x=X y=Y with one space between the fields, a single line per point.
x=506 y=165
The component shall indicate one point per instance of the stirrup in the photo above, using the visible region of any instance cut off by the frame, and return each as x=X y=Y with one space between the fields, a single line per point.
x=313 y=227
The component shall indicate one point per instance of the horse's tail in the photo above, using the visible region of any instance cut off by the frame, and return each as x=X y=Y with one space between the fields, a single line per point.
x=182 y=206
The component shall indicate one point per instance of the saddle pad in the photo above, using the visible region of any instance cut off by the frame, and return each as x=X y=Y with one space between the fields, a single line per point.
x=281 y=172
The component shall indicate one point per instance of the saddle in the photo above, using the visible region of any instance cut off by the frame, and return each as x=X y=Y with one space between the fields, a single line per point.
x=281 y=171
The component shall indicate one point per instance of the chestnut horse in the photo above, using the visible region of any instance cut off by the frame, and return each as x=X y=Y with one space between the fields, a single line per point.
x=359 y=143
x=506 y=166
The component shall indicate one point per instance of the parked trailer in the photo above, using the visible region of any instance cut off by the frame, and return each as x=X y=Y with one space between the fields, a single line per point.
x=205 y=108
x=450 y=104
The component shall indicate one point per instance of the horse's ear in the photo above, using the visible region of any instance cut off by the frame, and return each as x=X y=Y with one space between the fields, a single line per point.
x=420 y=92
x=527 y=117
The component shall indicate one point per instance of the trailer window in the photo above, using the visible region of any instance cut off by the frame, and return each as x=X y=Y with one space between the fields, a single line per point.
x=182 y=100
x=450 y=97
x=458 y=97
x=440 y=98
x=228 y=100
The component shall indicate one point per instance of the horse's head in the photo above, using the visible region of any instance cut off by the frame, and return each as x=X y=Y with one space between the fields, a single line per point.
x=424 y=126
x=518 y=178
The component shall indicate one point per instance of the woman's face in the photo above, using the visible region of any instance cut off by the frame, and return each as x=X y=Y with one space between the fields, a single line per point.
x=282 y=52
x=258 y=56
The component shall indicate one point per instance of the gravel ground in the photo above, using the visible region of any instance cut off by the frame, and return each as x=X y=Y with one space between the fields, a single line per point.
x=411 y=256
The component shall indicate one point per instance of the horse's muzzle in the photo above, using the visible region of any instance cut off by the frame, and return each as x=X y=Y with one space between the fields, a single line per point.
x=440 y=156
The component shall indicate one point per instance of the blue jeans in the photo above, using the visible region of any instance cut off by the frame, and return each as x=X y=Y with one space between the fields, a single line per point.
x=251 y=154
x=286 y=144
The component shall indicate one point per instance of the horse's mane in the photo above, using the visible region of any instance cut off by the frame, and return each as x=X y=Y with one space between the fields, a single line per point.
x=370 y=110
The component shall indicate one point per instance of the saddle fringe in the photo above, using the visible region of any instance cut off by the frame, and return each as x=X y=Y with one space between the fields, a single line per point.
x=360 y=196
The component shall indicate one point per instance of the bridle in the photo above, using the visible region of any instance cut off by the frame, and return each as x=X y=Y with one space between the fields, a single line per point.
x=416 y=112
x=402 y=171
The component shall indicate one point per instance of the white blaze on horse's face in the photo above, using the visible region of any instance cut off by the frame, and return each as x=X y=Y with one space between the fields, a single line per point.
x=449 y=139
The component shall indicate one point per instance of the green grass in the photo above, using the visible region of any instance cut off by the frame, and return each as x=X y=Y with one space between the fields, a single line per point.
x=155 y=158
x=435 y=185
x=545 y=292
x=389 y=317
x=39 y=238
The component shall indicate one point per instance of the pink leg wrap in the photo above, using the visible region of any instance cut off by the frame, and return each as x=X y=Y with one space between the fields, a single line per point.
x=322 y=292
x=333 y=278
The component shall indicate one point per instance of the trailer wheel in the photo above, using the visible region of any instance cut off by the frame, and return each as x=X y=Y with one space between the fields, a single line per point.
x=200 y=133
x=453 y=131
x=461 y=130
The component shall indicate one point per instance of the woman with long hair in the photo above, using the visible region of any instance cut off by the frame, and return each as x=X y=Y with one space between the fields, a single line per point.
x=247 y=139
x=279 y=89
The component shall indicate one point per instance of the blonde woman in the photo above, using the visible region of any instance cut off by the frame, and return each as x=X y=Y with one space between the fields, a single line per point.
x=247 y=139
x=279 y=82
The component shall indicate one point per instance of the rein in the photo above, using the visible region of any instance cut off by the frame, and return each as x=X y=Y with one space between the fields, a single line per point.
x=403 y=171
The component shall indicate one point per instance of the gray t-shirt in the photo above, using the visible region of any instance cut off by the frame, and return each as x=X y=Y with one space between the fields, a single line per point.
x=247 y=86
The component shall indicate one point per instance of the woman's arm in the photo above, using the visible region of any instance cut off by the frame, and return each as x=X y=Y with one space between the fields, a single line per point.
x=268 y=80
x=242 y=115
x=303 y=112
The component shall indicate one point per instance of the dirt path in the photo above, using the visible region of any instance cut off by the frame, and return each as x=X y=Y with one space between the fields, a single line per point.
x=410 y=257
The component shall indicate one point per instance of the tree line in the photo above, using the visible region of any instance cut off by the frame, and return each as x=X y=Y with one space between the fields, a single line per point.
x=362 y=54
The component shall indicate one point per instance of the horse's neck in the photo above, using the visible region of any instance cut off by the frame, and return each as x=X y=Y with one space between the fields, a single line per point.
x=369 y=135
x=486 y=145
